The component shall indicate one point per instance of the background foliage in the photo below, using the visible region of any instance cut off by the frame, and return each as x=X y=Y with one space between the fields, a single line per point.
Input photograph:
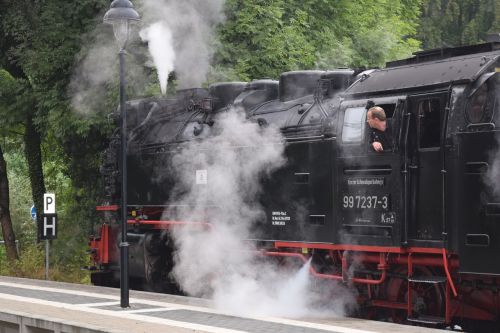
x=43 y=42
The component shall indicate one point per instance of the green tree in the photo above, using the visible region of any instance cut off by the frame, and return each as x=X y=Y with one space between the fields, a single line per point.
x=264 y=38
x=39 y=42
x=7 y=91
x=5 y=219
x=457 y=22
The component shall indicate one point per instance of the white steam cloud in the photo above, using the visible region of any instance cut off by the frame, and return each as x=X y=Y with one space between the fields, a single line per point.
x=187 y=28
x=217 y=263
x=160 y=44
x=180 y=37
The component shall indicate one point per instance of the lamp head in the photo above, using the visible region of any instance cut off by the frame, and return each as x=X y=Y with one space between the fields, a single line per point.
x=121 y=15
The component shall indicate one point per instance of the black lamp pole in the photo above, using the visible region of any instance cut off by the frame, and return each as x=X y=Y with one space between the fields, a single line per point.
x=124 y=279
x=121 y=15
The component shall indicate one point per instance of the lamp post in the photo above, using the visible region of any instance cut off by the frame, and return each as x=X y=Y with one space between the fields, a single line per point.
x=121 y=15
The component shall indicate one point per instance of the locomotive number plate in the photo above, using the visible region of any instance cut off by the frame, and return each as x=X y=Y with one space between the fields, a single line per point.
x=366 y=201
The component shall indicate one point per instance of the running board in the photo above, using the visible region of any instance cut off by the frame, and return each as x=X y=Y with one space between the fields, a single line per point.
x=430 y=320
x=427 y=279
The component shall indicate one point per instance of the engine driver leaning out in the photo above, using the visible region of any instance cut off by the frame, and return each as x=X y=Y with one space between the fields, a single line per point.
x=379 y=131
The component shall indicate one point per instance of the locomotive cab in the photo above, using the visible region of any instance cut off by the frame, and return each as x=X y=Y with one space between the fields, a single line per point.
x=440 y=177
x=368 y=185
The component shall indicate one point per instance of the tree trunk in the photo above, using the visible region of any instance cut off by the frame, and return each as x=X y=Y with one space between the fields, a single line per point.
x=33 y=153
x=5 y=220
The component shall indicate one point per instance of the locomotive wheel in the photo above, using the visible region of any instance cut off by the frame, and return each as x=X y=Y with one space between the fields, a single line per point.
x=427 y=299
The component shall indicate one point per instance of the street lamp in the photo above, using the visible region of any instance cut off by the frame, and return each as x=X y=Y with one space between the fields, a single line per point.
x=121 y=15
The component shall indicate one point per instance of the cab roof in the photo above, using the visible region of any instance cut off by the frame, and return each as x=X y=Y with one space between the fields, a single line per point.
x=439 y=67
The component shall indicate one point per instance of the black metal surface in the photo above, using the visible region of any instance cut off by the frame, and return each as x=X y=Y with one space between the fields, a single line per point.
x=226 y=92
x=297 y=84
x=479 y=231
x=426 y=169
x=443 y=53
x=435 y=73
x=298 y=198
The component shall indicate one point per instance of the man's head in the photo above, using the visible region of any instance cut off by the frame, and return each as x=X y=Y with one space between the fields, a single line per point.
x=376 y=118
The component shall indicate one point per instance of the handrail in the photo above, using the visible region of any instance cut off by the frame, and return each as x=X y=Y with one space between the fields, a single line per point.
x=166 y=223
x=479 y=125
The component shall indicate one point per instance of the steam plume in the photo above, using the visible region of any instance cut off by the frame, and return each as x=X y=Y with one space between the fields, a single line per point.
x=160 y=44
x=180 y=35
x=187 y=29
x=217 y=263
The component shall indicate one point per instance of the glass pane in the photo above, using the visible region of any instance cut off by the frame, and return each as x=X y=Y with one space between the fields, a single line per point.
x=476 y=110
x=354 y=125
x=120 y=29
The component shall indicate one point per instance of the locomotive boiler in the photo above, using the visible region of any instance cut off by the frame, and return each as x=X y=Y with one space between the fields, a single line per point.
x=421 y=219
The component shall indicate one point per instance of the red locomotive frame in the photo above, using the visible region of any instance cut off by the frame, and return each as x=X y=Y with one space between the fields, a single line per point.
x=465 y=298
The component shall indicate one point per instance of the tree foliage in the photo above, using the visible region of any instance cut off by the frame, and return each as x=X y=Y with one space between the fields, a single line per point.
x=458 y=22
x=39 y=42
x=264 y=38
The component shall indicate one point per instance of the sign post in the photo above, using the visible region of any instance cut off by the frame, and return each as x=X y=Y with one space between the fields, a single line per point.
x=48 y=230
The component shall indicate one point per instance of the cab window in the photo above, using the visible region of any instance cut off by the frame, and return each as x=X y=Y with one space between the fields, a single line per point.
x=483 y=104
x=475 y=112
x=354 y=125
x=429 y=122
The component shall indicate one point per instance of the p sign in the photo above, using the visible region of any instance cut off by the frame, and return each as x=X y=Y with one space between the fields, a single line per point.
x=49 y=203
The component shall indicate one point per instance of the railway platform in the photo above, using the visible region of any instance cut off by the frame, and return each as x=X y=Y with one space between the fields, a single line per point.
x=36 y=306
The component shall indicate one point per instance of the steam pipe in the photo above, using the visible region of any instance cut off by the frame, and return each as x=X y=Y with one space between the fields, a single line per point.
x=304 y=259
x=382 y=266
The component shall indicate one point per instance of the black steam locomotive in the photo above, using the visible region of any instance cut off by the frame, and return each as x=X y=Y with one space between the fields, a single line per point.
x=422 y=217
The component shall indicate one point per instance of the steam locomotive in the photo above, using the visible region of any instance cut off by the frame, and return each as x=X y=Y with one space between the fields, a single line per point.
x=421 y=219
